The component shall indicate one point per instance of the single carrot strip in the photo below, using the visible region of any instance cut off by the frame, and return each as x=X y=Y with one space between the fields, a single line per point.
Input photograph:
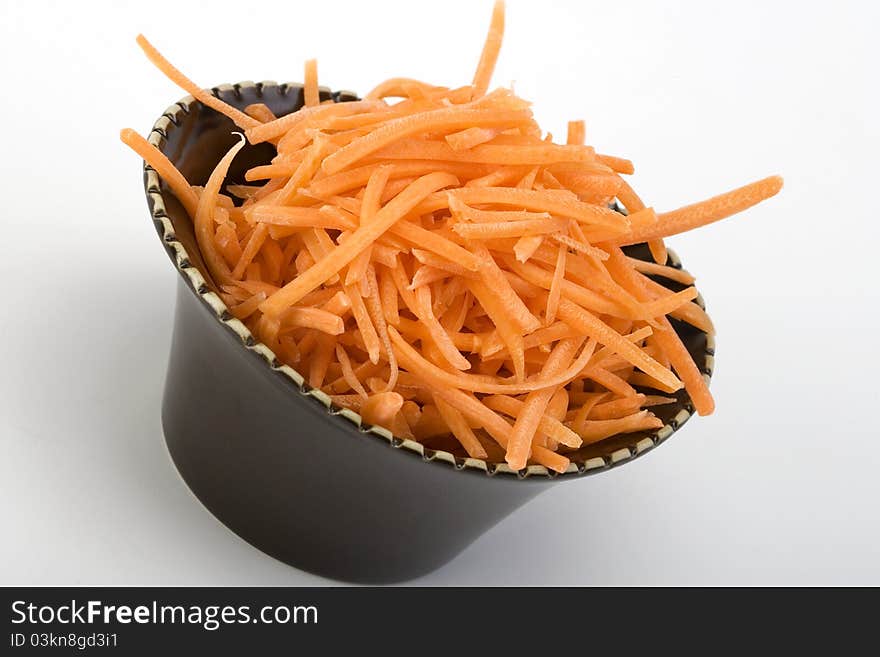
x=360 y=239
x=320 y=360
x=260 y=112
x=400 y=88
x=315 y=318
x=706 y=212
x=497 y=177
x=609 y=380
x=581 y=247
x=593 y=431
x=248 y=307
x=371 y=202
x=348 y=373
x=380 y=409
x=310 y=83
x=617 y=408
x=576 y=133
x=555 y=288
x=618 y=164
x=489 y=55
x=643 y=380
x=364 y=323
x=657 y=247
x=628 y=197
x=469 y=137
x=268 y=171
x=163 y=166
x=297 y=217
x=242 y=191
x=241 y=119
x=669 y=303
x=654 y=269
x=525 y=247
x=527 y=228
x=388 y=297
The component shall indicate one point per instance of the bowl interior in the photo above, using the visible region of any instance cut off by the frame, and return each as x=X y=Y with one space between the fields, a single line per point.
x=195 y=137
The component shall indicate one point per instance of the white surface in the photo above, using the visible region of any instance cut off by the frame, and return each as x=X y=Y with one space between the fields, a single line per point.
x=780 y=486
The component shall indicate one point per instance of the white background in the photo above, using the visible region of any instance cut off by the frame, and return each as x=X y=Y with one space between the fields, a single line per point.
x=780 y=486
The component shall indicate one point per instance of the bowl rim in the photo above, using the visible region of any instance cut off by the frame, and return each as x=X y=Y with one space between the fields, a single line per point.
x=190 y=273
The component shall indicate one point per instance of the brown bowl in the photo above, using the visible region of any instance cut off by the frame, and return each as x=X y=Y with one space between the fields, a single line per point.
x=274 y=460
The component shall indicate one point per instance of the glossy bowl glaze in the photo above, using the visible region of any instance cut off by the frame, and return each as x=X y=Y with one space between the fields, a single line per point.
x=305 y=482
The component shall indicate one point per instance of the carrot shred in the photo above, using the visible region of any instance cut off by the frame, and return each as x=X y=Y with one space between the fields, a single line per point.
x=260 y=112
x=360 y=239
x=576 y=133
x=241 y=119
x=310 y=83
x=431 y=259
x=491 y=48
x=706 y=212
x=555 y=288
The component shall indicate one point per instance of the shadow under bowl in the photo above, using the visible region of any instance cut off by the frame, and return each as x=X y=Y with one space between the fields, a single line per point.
x=274 y=460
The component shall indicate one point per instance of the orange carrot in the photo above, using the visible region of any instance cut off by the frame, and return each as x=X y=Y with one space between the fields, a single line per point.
x=432 y=260
x=360 y=239
x=310 y=85
x=706 y=212
x=490 y=50
x=241 y=119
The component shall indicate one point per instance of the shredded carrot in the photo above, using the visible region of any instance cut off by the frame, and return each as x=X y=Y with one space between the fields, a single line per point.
x=248 y=307
x=310 y=83
x=360 y=239
x=535 y=404
x=241 y=119
x=555 y=287
x=468 y=138
x=490 y=50
x=260 y=112
x=203 y=219
x=706 y=212
x=432 y=260
x=163 y=166
x=576 y=133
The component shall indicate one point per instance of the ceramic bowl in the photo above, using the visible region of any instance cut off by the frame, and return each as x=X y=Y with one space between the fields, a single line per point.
x=274 y=460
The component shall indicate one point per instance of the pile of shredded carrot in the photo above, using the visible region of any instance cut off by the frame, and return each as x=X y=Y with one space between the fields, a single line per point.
x=431 y=259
